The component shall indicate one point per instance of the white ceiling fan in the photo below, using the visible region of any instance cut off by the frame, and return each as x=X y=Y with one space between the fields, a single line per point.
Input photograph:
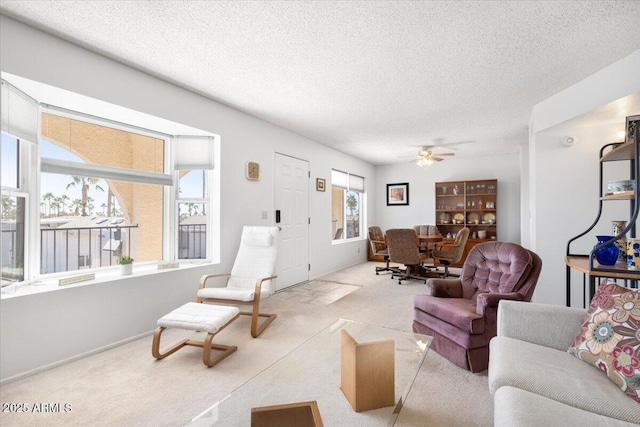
x=427 y=155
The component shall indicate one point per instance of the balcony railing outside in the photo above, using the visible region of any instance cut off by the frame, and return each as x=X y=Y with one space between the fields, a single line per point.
x=10 y=259
x=69 y=249
x=193 y=241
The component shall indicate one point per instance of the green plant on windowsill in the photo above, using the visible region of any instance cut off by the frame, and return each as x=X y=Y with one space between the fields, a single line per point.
x=125 y=259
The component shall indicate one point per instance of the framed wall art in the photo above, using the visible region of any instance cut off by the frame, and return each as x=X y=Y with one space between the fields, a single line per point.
x=398 y=194
x=320 y=184
x=252 y=171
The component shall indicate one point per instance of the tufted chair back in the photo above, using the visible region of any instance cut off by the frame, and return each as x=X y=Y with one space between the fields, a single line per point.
x=499 y=267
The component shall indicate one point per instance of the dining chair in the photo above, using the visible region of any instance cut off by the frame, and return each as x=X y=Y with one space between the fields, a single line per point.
x=427 y=230
x=378 y=245
x=447 y=254
x=404 y=249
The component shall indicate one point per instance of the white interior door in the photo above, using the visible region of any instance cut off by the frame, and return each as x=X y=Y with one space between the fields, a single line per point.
x=292 y=216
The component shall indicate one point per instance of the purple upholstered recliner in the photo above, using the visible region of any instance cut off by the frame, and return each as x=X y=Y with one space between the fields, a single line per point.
x=461 y=313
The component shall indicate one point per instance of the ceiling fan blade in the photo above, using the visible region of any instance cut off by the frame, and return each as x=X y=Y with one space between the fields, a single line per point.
x=442 y=143
x=437 y=159
x=439 y=143
x=444 y=154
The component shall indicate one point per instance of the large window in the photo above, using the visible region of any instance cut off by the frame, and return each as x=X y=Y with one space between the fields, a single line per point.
x=193 y=160
x=19 y=123
x=99 y=189
x=12 y=213
x=102 y=195
x=347 y=193
x=192 y=200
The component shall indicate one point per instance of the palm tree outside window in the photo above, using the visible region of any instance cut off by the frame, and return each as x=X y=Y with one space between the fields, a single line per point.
x=347 y=193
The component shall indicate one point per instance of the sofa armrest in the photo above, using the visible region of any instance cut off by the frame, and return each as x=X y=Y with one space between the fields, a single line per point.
x=543 y=324
x=444 y=288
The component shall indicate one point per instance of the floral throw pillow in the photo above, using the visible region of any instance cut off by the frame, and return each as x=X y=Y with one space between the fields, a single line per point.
x=610 y=336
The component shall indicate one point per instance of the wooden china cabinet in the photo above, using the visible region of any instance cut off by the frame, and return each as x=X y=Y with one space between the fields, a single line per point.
x=472 y=204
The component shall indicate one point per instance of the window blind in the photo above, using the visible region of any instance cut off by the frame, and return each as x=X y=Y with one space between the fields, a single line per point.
x=356 y=183
x=339 y=179
x=193 y=152
x=19 y=115
x=347 y=181
x=64 y=167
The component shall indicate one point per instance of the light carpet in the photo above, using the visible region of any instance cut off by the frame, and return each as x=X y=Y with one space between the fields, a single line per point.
x=126 y=386
x=316 y=292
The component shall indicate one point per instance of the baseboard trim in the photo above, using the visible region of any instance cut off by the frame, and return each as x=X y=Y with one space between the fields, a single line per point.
x=44 y=368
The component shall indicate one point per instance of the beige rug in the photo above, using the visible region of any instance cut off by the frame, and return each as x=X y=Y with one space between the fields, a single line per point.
x=125 y=386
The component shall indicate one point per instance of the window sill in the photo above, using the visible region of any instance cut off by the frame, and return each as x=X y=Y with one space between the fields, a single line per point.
x=344 y=241
x=111 y=275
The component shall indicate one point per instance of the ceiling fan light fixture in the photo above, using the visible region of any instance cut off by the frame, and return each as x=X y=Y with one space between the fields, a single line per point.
x=425 y=161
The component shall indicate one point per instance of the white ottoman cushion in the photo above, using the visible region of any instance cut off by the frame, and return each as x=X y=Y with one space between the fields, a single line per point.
x=199 y=317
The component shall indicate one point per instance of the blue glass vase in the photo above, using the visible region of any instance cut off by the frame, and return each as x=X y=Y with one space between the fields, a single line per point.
x=606 y=255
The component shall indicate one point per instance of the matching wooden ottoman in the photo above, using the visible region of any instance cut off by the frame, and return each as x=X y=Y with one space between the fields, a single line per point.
x=194 y=316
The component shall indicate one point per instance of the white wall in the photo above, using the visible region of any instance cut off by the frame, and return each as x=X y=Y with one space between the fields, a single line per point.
x=39 y=330
x=564 y=180
x=613 y=82
x=421 y=210
x=567 y=202
x=42 y=329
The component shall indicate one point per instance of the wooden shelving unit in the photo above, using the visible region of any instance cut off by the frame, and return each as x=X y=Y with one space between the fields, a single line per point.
x=472 y=204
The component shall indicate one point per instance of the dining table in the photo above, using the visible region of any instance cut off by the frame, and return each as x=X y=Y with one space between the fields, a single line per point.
x=424 y=239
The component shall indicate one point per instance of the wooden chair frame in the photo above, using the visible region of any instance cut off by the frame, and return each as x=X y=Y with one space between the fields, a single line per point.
x=256 y=329
x=207 y=345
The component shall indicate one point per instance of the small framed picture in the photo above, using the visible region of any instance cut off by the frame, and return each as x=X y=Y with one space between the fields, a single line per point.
x=398 y=194
x=320 y=184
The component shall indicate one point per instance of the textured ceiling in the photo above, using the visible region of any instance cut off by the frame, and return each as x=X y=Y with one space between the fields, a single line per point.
x=372 y=79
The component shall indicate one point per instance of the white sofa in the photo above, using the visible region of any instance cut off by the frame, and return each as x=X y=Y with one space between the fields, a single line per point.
x=536 y=382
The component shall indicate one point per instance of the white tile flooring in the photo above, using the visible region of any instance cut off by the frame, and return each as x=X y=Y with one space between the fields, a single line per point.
x=316 y=292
